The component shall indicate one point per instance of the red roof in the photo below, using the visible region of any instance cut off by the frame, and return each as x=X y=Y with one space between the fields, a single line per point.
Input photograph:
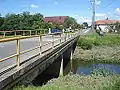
x=104 y=22
x=56 y=19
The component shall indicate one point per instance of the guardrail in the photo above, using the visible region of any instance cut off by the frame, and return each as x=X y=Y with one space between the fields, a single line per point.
x=23 y=32
x=62 y=38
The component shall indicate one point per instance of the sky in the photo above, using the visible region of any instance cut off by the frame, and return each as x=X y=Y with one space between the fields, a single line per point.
x=81 y=10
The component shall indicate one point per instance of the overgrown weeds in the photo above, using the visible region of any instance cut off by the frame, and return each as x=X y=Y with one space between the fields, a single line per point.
x=88 y=41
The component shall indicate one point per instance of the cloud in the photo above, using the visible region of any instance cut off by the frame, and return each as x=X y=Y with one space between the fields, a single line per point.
x=84 y=19
x=117 y=11
x=55 y=2
x=100 y=14
x=98 y=2
x=34 y=6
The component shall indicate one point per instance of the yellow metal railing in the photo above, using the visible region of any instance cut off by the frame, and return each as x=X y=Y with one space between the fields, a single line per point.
x=23 y=32
x=18 y=52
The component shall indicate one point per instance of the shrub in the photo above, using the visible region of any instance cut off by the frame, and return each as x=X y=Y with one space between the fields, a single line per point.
x=85 y=43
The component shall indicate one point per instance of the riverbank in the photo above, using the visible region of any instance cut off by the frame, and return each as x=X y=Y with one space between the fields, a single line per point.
x=101 y=54
x=77 y=82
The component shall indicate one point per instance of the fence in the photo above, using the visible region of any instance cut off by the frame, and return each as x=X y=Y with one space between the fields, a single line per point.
x=60 y=38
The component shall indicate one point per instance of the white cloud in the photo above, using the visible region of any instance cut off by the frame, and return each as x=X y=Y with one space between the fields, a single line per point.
x=100 y=14
x=84 y=19
x=117 y=10
x=34 y=6
x=98 y=2
x=55 y=2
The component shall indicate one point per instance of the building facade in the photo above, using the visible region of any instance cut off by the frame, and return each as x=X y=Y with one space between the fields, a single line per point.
x=103 y=24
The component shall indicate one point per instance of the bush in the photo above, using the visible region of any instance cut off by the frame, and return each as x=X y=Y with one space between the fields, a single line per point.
x=85 y=44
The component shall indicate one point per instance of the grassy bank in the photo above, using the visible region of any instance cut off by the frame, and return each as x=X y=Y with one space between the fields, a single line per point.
x=99 y=49
x=77 y=82
x=102 y=54
x=89 y=41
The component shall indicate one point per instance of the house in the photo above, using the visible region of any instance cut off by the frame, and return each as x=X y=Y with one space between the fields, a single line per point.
x=103 y=24
x=56 y=19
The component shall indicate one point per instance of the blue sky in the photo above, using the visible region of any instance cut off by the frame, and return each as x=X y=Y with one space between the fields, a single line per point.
x=79 y=9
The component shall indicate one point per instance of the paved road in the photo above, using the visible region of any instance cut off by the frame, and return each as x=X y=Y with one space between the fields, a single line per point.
x=9 y=48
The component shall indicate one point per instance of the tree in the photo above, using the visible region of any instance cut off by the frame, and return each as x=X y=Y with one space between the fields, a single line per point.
x=23 y=21
x=1 y=21
x=70 y=22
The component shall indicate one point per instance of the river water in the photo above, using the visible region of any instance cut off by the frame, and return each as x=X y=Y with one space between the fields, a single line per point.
x=86 y=68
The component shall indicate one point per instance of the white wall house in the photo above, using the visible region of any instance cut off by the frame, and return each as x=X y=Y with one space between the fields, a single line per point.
x=103 y=24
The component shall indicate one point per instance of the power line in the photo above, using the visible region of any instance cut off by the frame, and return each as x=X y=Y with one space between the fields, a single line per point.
x=110 y=3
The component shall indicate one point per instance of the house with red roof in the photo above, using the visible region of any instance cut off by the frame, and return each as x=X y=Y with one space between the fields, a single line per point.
x=56 y=19
x=103 y=24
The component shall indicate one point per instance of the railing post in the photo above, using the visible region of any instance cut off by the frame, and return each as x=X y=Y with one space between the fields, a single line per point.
x=65 y=36
x=40 y=43
x=18 y=52
x=4 y=34
x=30 y=32
x=44 y=31
x=36 y=32
x=60 y=39
x=52 y=41
x=23 y=33
x=15 y=33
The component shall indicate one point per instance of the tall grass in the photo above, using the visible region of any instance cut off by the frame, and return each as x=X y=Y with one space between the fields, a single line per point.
x=77 y=82
x=88 y=41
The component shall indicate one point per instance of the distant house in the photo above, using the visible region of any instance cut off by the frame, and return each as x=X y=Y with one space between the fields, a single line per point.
x=55 y=19
x=103 y=24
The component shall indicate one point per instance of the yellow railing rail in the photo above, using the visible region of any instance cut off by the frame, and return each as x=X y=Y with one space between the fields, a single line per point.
x=18 y=52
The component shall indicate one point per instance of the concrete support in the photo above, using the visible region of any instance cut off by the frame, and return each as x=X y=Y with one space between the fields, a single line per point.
x=61 y=67
x=71 y=59
x=66 y=57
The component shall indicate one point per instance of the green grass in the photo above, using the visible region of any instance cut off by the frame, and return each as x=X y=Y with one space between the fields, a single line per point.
x=103 y=54
x=77 y=82
x=88 y=41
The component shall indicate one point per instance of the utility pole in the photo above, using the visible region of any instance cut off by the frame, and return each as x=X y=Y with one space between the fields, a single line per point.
x=93 y=17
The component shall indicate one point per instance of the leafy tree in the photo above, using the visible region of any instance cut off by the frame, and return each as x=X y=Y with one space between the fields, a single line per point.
x=23 y=21
x=1 y=21
x=70 y=22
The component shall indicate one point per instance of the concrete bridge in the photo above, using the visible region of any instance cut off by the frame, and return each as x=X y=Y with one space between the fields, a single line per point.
x=32 y=55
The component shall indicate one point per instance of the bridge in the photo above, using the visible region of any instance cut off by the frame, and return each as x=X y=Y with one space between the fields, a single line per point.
x=22 y=59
